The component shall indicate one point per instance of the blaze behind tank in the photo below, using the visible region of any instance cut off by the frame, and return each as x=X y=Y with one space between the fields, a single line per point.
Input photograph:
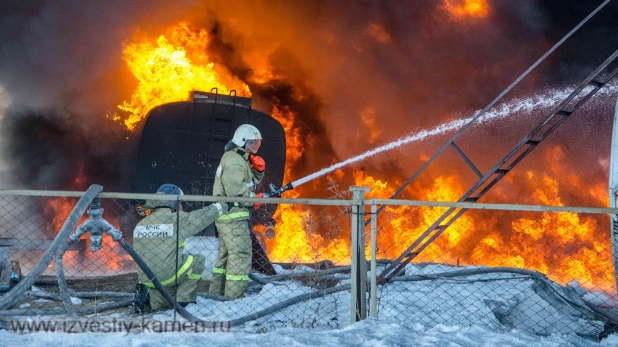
x=183 y=142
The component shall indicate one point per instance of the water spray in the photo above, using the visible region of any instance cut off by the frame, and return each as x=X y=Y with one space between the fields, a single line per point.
x=519 y=105
x=420 y=135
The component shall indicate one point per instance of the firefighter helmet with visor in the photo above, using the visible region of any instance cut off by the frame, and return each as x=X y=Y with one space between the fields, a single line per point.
x=248 y=135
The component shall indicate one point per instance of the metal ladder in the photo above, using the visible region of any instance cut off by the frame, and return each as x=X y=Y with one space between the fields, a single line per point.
x=212 y=157
x=596 y=80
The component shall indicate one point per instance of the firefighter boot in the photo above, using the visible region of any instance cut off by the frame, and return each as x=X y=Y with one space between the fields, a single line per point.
x=141 y=299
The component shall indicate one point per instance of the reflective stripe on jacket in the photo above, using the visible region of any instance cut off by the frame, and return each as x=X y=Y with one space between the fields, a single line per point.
x=154 y=238
x=183 y=269
x=236 y=177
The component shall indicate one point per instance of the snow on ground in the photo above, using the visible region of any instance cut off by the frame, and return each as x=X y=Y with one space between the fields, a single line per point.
x=367 y=333
x=496 y=309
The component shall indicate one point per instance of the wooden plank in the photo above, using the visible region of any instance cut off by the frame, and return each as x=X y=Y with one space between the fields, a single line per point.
x=35 y=244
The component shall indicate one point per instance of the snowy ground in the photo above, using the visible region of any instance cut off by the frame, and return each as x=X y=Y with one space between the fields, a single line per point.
x=366 y=333
x=497 y=309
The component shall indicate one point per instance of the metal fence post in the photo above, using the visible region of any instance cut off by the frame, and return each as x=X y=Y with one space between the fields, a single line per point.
x=373 y=309
x=358 y=293
x=178 y=208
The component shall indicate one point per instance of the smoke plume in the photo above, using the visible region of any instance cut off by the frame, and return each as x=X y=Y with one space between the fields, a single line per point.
x=356 y=74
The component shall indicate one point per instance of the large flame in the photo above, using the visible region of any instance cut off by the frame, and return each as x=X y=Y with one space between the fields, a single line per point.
x=169 y=68
x=177 y=62
x=298 y=239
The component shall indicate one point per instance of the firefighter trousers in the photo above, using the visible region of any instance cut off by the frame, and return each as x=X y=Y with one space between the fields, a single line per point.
x=189 y=274
x=231 y=273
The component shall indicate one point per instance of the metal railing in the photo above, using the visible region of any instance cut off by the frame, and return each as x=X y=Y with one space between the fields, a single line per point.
x=542 y=269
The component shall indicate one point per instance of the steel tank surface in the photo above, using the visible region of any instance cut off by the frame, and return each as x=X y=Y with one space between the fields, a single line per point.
x=182 y=143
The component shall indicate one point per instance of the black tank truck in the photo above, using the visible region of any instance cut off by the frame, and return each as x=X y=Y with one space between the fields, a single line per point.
x=182 y=143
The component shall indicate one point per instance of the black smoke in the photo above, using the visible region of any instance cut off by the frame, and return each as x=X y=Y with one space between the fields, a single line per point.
x=60 y=64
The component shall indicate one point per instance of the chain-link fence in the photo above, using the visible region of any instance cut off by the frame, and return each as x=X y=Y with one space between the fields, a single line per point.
x=218 y=268
x=531 y=268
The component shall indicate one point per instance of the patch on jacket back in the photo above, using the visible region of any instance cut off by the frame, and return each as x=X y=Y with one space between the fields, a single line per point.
x=154 y=230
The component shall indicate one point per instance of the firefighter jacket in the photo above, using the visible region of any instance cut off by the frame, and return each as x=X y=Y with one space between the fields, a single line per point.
x=236 y=177
x=154 y=238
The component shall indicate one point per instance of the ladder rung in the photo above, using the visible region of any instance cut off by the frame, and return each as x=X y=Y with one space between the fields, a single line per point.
x=439 y=227
x=472 y=199
x=533 y=142
x=502 y=171
x=596 y=83
x=411 y=254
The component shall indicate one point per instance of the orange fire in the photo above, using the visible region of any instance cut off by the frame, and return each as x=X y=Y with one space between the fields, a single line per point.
x=297 y=237
x=368 y=116
x=460 y=9
x=566 y=246
x=168 y=69
x=177 y=62
x=83 y=261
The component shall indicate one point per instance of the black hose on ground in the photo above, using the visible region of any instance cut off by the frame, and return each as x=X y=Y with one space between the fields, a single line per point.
x=256 y=278
x=95 y=295
x=79 y=209
x=306 y=274
x=153 y=278
x=285 y=303
x=468 y=272
x=291 y=301
x=607 y=314
x=232 y=323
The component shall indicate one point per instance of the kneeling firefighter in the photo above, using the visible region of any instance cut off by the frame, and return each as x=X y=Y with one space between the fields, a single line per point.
x=237 y=175
x=155 y=239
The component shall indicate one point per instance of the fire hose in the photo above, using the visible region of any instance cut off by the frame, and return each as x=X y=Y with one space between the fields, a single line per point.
x=63 y=288
x=59 y=246
x=153 y=278
x=181 y=310
x=234 y=322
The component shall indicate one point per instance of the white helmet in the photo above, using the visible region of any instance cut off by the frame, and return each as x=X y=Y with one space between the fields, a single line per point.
x=246 y=132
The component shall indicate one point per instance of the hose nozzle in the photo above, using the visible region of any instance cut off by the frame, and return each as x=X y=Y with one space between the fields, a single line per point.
x=276 y=192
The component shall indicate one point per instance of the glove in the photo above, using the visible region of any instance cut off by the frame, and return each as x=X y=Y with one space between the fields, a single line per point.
x=223 y=207
x=260 y=195
x=258 y=163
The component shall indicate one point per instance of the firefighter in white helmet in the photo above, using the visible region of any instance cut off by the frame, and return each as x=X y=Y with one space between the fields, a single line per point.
x=238 y=174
